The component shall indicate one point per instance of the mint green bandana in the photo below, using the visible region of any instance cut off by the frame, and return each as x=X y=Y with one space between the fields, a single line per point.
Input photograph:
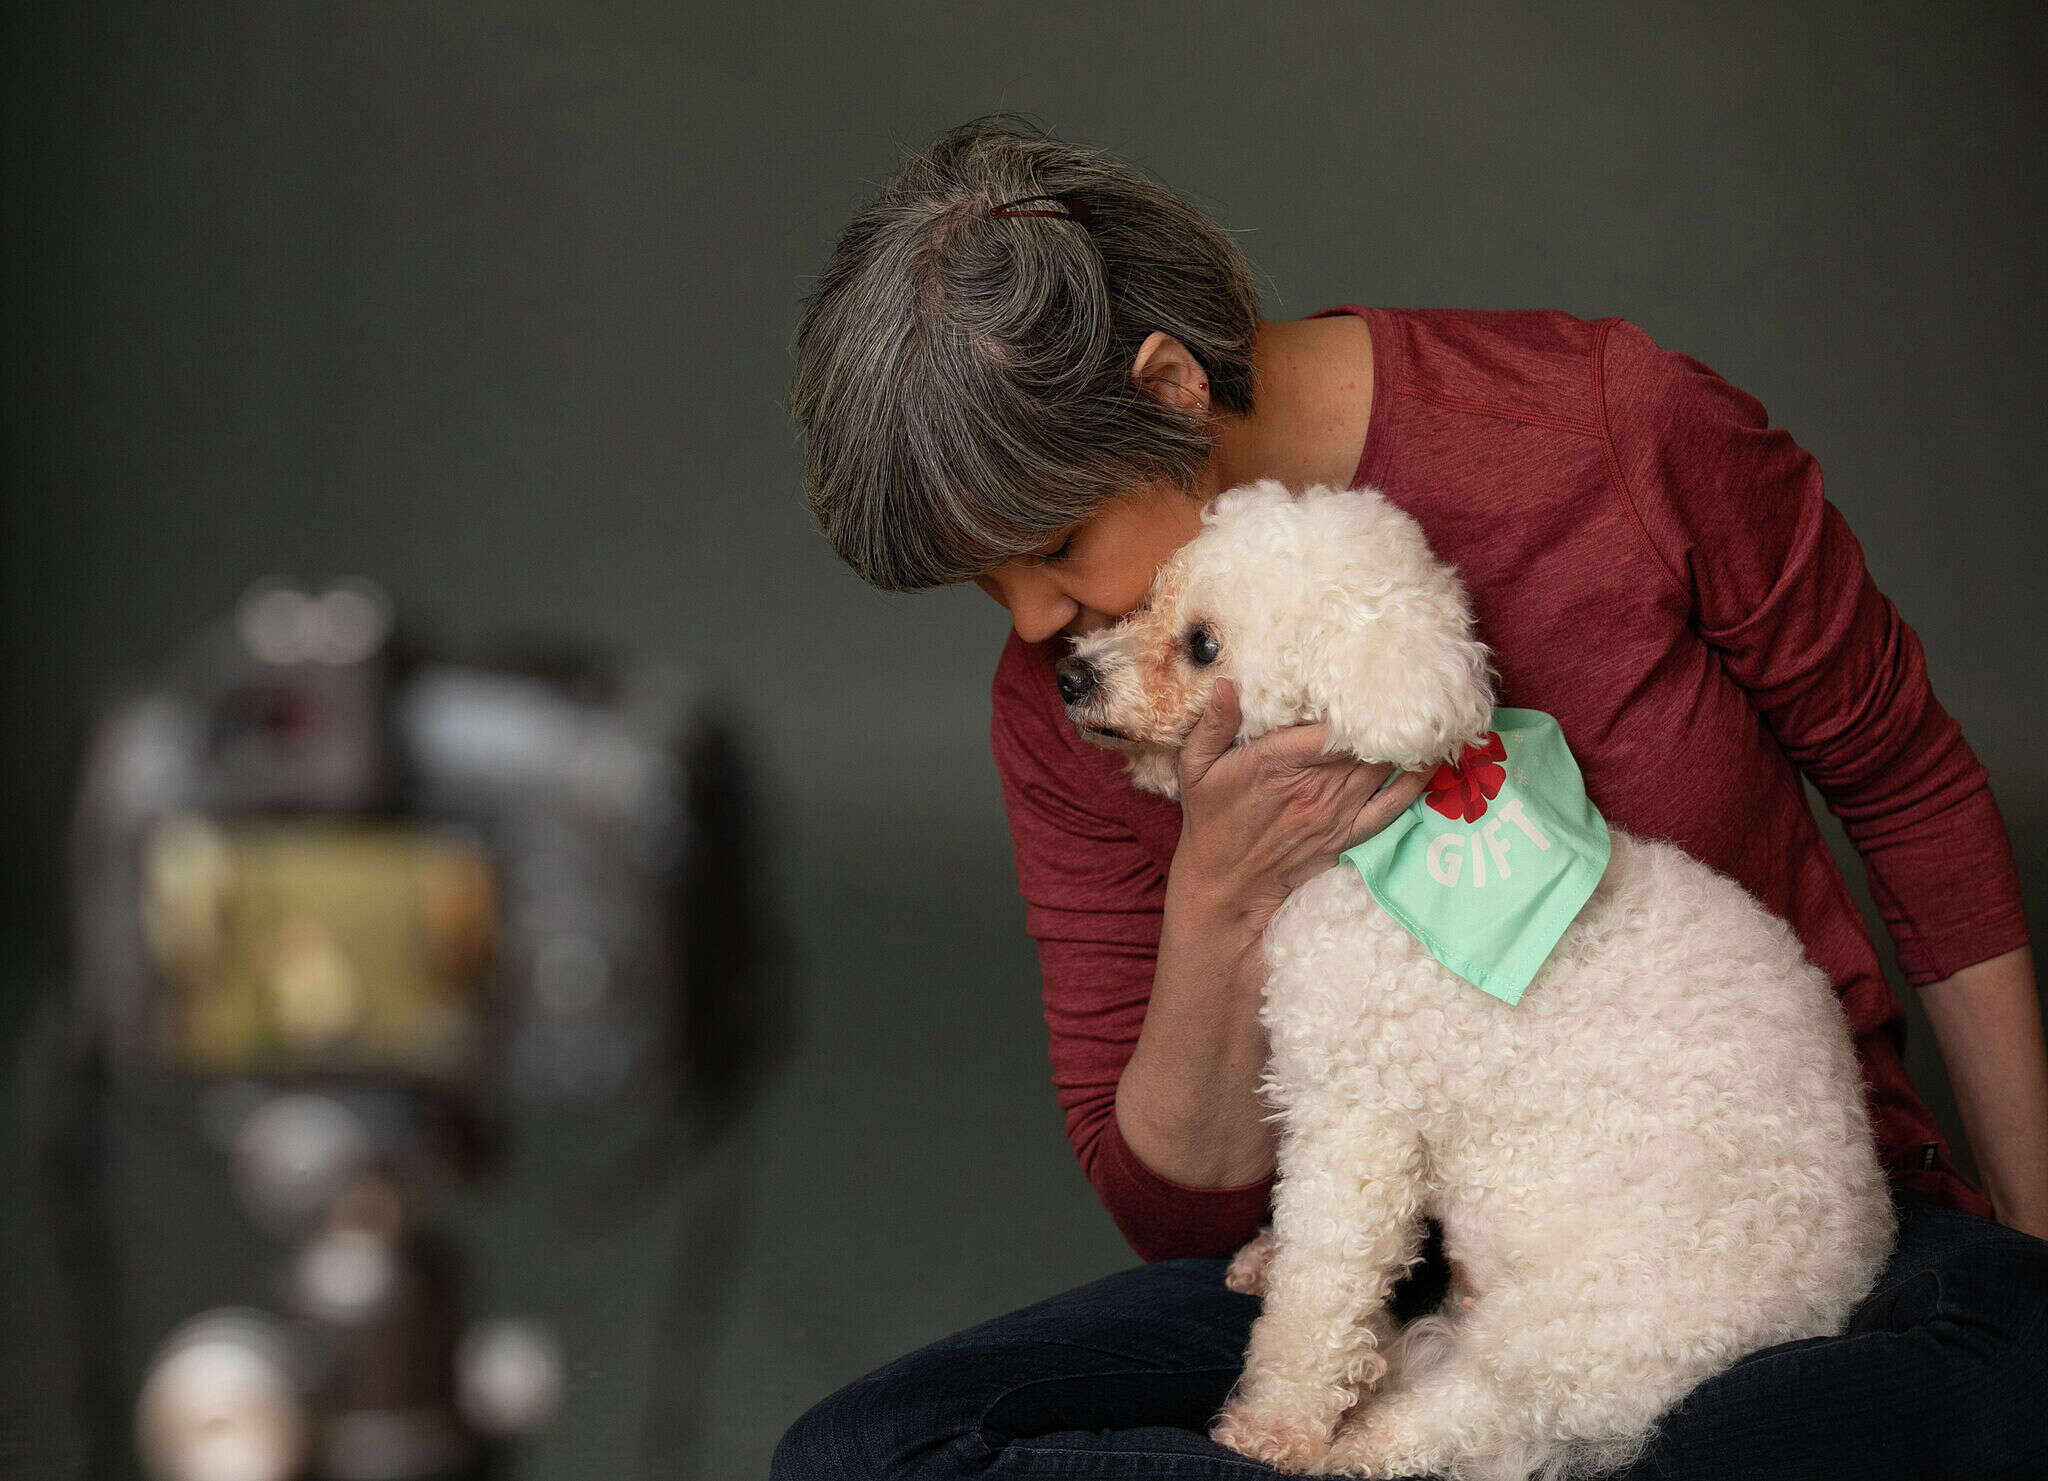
x=1493 y=861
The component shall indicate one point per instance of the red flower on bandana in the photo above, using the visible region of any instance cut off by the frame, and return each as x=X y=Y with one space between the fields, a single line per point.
x=1461 y=789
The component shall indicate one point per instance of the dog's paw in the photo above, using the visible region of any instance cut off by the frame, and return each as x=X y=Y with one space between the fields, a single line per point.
x=1247 y=1272
x=1377 y=1443
x=1269 y=1441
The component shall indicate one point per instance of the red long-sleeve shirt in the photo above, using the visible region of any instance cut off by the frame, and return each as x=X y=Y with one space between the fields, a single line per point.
x=1657 y=568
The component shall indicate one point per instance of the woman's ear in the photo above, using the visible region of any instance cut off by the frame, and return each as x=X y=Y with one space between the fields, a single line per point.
x=1167 y=371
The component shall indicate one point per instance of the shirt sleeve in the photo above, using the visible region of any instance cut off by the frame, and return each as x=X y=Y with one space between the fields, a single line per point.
x=1736 y=513
x=1093 y=896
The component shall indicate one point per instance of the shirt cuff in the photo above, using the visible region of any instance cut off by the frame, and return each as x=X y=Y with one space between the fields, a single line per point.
x=1951 y=898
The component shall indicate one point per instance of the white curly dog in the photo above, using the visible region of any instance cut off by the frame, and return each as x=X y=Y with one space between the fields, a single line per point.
x=1656 y=1162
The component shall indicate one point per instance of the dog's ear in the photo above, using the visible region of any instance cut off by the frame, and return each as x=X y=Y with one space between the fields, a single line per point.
x=1394 y=666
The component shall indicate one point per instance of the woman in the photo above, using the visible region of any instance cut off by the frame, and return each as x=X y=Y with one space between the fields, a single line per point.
x=1029 y=366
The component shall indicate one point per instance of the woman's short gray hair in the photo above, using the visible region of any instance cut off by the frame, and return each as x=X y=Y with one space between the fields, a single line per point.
x=963 y=381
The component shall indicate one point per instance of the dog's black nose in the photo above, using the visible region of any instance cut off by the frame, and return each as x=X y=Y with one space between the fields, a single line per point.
x=1076 y=678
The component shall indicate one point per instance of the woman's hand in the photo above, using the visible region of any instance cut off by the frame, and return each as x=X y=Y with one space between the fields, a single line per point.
x=1256 y=820
x=1261 y=818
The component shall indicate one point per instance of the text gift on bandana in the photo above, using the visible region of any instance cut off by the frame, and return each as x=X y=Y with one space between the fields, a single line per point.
x=1496 y=858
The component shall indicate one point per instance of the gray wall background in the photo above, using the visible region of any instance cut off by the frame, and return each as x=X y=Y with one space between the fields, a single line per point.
x=493 y=304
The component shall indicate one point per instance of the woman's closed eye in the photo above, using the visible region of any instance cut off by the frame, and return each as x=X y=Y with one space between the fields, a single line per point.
x=1060 y=552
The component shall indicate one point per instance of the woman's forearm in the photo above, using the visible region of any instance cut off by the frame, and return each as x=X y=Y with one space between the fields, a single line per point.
x=1188 y=1103
x=1257 y=820
x=1987 y=1021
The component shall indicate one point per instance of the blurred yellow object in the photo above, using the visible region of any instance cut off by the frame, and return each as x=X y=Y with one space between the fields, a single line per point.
x=310 y=982
x=299 y=945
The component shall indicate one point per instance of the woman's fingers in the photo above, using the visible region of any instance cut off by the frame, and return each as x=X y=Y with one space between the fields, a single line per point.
x=1297 y=748
x=1212 y=734
x=1387 y=804
x=1282 y=808
x=1362 y=814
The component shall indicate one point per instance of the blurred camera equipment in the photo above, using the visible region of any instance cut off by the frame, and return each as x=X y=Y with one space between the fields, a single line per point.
x=351 y=909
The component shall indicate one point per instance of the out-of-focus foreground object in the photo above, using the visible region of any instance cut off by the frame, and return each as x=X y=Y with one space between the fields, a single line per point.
x=351 y=915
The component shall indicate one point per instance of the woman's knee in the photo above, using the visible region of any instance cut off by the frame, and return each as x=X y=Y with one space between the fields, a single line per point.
x=1154 y=1345
x=825 y=1444
x=885 y=1427
x=915 y=1420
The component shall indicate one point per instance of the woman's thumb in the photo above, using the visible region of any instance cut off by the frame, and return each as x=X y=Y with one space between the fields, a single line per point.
x=1213 y=733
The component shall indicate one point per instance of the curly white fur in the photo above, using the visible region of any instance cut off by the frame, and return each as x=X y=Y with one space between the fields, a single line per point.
x=1657 y=1162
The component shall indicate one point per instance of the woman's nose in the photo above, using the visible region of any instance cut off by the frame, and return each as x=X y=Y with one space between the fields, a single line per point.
x=1045 y=620
x=1038 y=610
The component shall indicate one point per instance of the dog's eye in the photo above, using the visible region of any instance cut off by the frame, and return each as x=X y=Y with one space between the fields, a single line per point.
x=1203 y=647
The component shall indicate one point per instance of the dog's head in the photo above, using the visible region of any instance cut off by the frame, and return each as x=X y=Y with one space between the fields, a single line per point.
x=1321 y=606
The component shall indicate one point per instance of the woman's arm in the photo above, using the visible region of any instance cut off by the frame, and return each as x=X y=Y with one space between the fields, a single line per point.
x=1256 y=821
x=1737 y=512
x=1987 y=1020
x=1187 y=1103
x=1151 y=939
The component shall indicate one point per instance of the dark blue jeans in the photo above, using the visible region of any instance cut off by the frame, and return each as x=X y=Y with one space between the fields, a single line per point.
x=1942 y=1373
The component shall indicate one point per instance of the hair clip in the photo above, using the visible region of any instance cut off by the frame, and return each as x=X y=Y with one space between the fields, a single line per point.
x=1076 y=208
